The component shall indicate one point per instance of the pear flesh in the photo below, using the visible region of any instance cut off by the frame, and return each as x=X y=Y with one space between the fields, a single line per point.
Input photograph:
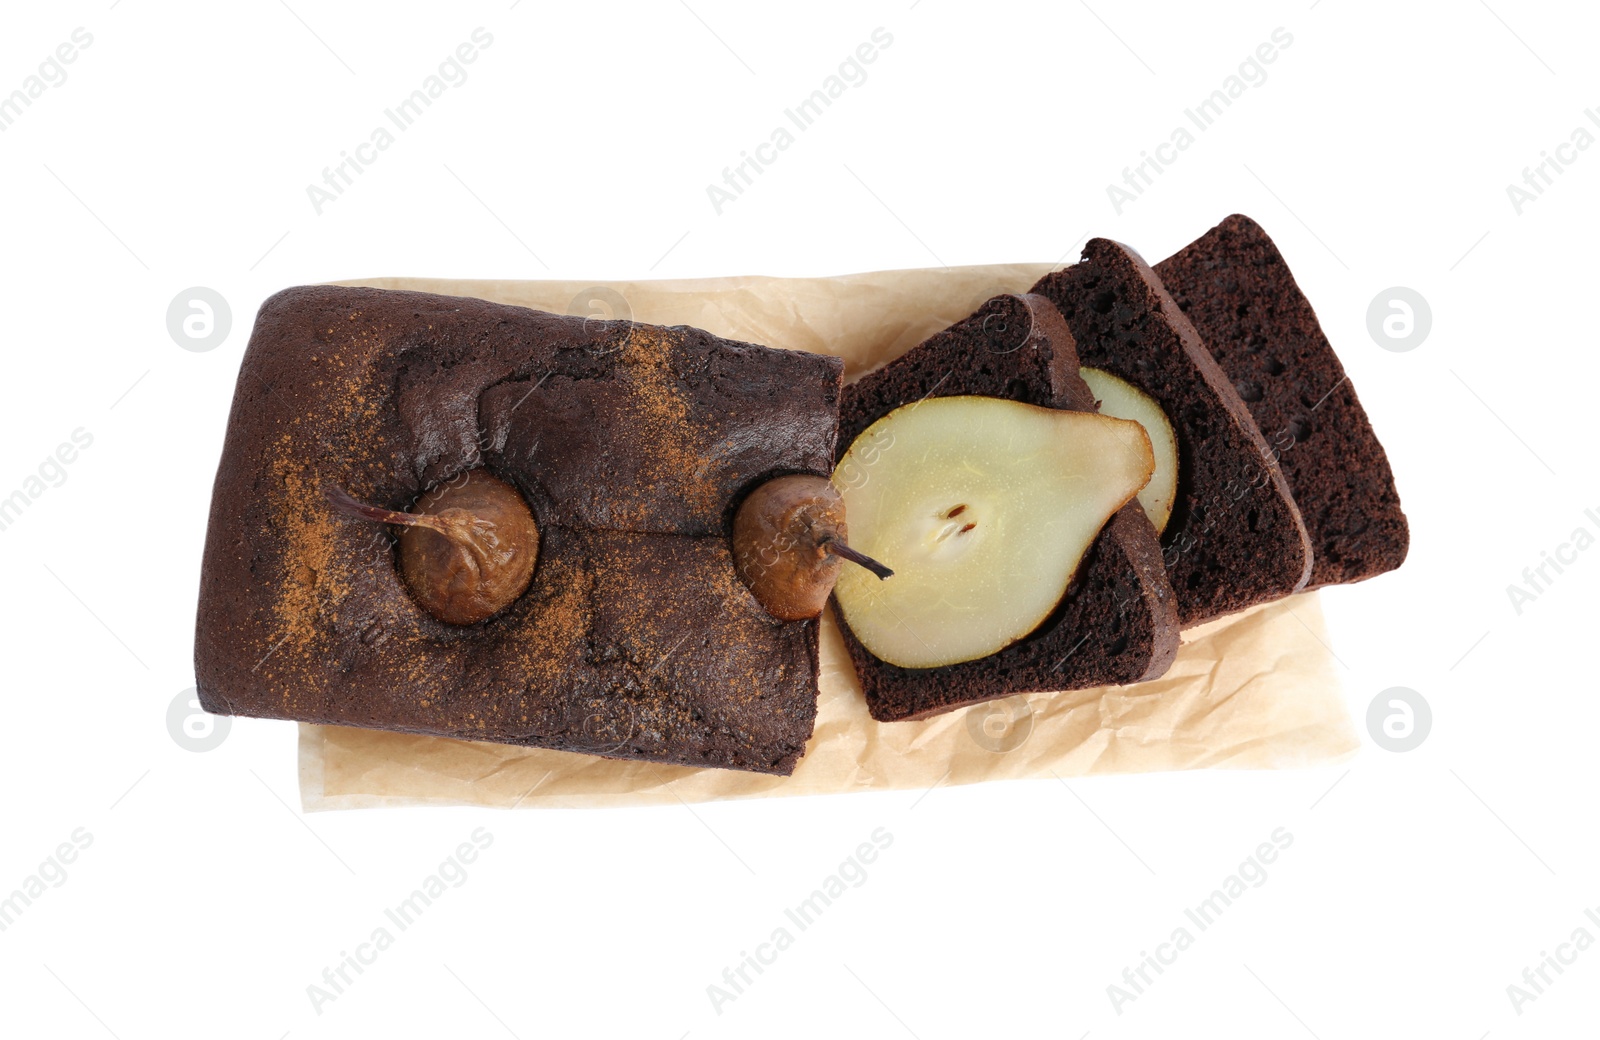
x=1122 y=399
x=984 y=508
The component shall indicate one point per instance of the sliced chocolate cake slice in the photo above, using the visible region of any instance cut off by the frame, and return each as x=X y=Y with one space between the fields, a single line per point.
x=1235 y=537
x=1117 y=622
x=1235 y=286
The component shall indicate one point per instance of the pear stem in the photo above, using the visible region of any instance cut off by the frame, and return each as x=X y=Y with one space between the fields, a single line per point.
x=844 y=552
x=344 y=503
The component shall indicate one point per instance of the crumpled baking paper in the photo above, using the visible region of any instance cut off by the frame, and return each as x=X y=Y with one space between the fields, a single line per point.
x=1255 y=690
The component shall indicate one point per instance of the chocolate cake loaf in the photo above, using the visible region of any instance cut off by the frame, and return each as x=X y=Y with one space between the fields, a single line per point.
x=629 y=442
x=1234 y=285
x=1235 y=537
x=1117 y=622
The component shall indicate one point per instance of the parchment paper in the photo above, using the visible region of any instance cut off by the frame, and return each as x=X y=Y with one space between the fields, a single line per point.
x=1257 y=690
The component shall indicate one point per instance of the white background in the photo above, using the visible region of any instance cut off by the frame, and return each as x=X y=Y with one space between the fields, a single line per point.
x=1377 y=152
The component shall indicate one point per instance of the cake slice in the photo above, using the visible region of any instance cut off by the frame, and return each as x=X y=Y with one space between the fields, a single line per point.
x=1235 y=537
x=1117 y=622
x=629 y=443
x=1235 y=287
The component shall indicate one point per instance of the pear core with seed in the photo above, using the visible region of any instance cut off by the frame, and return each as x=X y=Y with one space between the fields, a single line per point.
x=984 y=508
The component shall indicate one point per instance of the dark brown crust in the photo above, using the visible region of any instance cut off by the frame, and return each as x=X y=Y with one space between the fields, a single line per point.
x=1118 y=621
x=635 y=639
x=1237 y=290
x=1236 y=537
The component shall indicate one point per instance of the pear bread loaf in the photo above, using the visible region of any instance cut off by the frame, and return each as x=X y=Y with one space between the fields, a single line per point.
x=630 y=444
x=444 y=516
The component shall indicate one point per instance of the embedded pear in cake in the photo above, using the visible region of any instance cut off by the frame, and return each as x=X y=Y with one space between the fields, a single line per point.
x=789 y=543
x=466 y=549
x=1122 y=400
x=985 y=507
